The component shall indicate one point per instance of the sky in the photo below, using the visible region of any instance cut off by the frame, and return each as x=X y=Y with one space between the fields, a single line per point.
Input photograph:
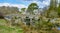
x=24 y=3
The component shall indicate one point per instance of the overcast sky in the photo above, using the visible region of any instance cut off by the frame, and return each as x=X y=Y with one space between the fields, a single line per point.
x=24 y=3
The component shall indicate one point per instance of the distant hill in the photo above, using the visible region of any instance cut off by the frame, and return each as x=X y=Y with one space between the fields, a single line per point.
x=8 y=10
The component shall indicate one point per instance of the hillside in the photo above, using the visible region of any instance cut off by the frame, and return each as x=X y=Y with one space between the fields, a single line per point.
x=8 y=10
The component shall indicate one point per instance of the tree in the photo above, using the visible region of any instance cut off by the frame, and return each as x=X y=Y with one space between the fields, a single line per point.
x=1 y=15
x=32 y=7
x=53 y=4
x=52 y=9
x=58 y=10
x=23 y=10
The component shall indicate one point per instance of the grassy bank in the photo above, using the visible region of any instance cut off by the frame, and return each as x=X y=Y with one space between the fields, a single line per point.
x=6 y=29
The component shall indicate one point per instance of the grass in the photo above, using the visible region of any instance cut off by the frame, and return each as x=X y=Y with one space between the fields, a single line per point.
x=6 y=29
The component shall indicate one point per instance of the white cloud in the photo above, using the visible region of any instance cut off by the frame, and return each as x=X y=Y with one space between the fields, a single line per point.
x=41 y=4
x=13 y=5
x=45 y=3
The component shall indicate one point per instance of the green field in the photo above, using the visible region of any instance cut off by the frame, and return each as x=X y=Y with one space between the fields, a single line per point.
x=6 y=29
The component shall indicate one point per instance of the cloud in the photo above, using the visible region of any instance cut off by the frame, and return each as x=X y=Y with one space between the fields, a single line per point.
x=46 y=2
x=41 y=4
x=13 y=5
